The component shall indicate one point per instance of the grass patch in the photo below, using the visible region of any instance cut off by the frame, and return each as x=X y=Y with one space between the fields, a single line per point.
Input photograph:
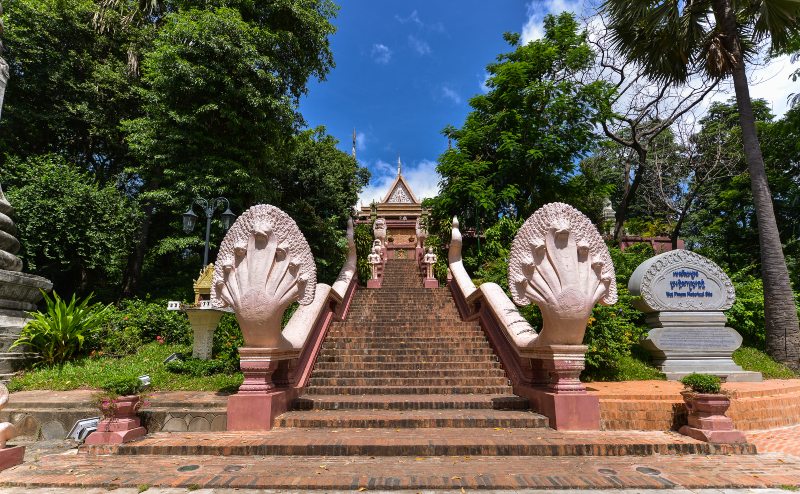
x=89 y=371
x=752 y=359
x=634 y=367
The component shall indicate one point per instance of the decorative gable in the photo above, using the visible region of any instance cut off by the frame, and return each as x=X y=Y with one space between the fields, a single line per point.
x=400 y=195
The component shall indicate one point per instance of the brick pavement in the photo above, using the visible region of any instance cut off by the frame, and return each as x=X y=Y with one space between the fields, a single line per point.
x=390 y=473
x=785 y=440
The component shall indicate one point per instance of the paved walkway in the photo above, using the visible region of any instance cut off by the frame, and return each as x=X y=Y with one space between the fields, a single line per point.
x=398 y=473
x=786 y=440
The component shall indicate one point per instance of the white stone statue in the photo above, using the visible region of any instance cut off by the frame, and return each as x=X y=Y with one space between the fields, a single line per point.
x=264 y=265
x=374 y=259
x=379 y=230
x=429 y=260
x=376 y=244
x=7 y=429
x=422 y=233
x=559 y=262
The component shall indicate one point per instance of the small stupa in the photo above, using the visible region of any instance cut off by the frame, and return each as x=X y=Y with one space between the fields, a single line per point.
x=19 y=292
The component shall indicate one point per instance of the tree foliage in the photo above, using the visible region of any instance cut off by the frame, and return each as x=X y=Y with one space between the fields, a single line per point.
x=517 y=147
x=168 y=100
x=75 y=231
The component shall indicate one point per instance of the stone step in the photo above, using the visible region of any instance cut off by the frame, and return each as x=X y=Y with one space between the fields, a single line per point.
x=337 y=345
x=413 y=419
x=420 y=442
x=404 y=339
x=470 y=380
x=390 y=390
x=409 y=373
x=406 y=352
x=358 y=367
x=395 y=329
x=443 y=360
x=502 y=401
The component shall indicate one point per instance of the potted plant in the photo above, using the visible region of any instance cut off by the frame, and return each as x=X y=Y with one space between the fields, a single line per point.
x=707 y=404
x=119 y=404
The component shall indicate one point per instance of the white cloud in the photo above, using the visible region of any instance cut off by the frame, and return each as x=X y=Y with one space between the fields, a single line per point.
x=381 y=53
x=413 y=18
x=538 y=9
x=450 y=94
x=420 y=46
x=361 y=141
x=482 y=83
x=421 y=177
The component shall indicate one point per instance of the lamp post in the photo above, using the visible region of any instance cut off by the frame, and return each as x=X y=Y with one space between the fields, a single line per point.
x=208 y=206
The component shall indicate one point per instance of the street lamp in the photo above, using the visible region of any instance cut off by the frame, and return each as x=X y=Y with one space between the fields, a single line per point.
x=190 y=218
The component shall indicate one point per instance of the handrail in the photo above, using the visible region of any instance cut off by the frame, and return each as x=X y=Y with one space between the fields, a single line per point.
x=459 y=273
x=348 y=271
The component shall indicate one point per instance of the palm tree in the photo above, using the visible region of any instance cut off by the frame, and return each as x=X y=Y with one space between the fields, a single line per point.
x=4 y=74
x=670 y=38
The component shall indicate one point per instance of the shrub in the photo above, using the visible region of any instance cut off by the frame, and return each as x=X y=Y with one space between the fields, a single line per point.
x=59 y=334
x=136 y=322
x=611 y=333
x=227 y=340
x=747 y=313
x=121 y=385
x=702 y=383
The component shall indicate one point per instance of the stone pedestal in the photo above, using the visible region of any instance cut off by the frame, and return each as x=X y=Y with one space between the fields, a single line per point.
x=262 y=396
x=684 y=295
x=431 y=283
x=203 y=321
x=557 y=391
x=124 y=426
x=19 y=292
x=707 y=420
x=685 y=342
x=11 y=456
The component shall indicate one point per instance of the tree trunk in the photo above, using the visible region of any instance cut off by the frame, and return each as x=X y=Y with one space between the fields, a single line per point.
x=627 y=197
x=133 y=272
x=782 y=328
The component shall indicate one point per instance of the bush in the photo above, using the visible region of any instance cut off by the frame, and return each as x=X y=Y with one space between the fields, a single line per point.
x=136 y=322
x=702 y=383
x=121 y=385
x=611 y=333
x=59 y=334
x=747 y=314
x=227 y=340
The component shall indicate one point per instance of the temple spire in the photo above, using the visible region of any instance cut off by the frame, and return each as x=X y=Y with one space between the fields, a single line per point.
x=398 y=164
x=354 y=143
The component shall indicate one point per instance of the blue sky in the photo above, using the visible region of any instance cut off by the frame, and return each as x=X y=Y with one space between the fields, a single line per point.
x=405 y=70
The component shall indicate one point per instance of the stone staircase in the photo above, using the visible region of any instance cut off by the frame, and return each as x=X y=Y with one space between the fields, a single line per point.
x=403 y=376
x=404 y=359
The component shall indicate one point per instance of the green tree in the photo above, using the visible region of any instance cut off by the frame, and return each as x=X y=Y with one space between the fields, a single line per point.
x=518 y=146
x=69 y=86
x=671 y=38
x=221 y=90
x=73 y=230
x=317 y=188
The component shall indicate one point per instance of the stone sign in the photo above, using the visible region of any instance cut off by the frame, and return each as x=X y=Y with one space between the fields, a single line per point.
x=684 y=295
x=681 y=280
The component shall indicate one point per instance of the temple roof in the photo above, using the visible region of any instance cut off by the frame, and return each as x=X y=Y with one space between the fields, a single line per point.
x=399 y=192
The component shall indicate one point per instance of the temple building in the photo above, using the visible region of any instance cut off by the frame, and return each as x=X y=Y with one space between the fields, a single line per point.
x=400 y=208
